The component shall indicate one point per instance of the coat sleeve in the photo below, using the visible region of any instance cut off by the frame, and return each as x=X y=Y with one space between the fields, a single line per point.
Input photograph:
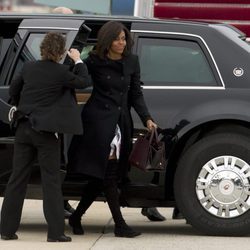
x=136 y=99
x=78 y=78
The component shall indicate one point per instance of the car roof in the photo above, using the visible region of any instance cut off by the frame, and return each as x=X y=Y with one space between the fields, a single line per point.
x=139 y=22
x=15 y=16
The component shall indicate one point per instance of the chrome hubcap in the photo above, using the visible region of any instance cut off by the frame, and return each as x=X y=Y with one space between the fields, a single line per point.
x=223 y=186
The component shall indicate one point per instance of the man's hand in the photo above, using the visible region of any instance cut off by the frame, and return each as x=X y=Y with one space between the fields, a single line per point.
x=74 y=54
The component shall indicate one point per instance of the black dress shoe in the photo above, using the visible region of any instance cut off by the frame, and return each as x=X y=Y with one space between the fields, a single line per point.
x=125 y=231
x=177 y=215
x=67 y=214
x=76 y=225
x=69 y=208
x=62 y=238
x=152 y=214
x=11 y=237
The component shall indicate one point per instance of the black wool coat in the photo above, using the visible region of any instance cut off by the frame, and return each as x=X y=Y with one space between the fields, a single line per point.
x=116 y=87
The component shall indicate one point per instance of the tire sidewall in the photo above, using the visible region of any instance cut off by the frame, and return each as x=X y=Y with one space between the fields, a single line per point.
x=187 y=172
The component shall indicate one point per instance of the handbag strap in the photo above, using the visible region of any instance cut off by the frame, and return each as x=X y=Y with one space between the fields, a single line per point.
x=152 y=135
x=156 y=135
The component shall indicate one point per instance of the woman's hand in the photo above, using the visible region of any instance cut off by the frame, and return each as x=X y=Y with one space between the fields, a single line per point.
x=151 y=124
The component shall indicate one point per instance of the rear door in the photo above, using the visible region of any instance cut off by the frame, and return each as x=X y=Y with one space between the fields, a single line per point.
x=26 y=45
x=175 y=67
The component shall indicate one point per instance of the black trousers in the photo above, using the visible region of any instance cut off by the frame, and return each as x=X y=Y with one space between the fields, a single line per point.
x=29 y=146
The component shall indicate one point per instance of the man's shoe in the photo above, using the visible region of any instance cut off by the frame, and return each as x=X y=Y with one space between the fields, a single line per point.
x=76 y=225
x=67 y=214
x=177 y=215
x=69 y=208
x=11 y=237
x=152 y=214
x=125 y=231
x=62 y=238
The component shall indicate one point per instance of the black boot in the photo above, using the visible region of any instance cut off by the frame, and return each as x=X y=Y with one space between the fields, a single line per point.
x=91 y=191
x=123 y=230
x=112 y=196
x=75 y=223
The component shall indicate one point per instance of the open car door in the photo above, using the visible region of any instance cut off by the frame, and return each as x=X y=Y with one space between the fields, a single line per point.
x=26 y=47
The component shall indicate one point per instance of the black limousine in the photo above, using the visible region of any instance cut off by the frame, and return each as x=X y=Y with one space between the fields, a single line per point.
x=196 y=83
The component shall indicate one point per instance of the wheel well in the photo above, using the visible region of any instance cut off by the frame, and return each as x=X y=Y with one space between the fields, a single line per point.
x=194 y=135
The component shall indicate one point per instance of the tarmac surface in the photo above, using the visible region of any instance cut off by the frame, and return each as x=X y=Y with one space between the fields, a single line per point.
x=98 y=226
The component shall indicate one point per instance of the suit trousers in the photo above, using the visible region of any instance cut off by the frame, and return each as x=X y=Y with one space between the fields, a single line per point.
x=29 y=146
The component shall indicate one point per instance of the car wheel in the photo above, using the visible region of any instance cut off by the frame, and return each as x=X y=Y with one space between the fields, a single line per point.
x=212 y=184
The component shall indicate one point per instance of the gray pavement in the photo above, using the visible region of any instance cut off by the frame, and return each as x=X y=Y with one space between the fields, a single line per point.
x=98 y=225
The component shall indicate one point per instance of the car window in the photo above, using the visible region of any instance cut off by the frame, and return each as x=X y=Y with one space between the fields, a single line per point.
x=30 y=51
x=5 y=43
x=85 y=51
x=171 y=62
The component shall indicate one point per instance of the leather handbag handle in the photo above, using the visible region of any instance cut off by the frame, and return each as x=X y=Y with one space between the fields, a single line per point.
x=152 y=134
x=156 y=135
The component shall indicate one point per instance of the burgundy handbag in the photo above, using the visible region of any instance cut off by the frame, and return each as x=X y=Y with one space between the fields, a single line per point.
x=148 y=153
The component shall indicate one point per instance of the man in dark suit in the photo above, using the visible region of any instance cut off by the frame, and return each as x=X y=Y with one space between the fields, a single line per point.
x=46 y=107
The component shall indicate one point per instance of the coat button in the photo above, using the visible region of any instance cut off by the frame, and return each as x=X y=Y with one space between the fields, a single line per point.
x=119 y=108
x=108 y=77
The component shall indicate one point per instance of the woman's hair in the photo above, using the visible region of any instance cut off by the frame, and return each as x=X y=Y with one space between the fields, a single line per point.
x=107 y=34
x=53 y=46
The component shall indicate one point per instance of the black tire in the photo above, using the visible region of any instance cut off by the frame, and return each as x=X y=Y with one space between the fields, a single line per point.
x=189 y=167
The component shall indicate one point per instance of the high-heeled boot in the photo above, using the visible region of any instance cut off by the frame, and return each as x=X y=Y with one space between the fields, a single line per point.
x=123 y=230
x=91 y=191
x=112 y=195
x=75 y=223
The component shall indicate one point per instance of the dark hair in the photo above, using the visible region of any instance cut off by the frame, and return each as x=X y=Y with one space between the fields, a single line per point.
x=107 y=34
x=53 y=46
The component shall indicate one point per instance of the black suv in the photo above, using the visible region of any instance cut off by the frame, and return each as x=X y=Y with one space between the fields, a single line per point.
x=196 y=82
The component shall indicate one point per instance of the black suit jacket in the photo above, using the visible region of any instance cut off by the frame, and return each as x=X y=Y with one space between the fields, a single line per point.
x=44 y=91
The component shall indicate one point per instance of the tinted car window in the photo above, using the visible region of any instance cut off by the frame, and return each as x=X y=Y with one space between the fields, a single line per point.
x=5 y=43
x=30 y=52
x=174 y=63
x=86 y=50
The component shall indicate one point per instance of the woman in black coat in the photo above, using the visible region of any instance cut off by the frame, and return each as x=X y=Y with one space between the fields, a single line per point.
x=102 y=152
